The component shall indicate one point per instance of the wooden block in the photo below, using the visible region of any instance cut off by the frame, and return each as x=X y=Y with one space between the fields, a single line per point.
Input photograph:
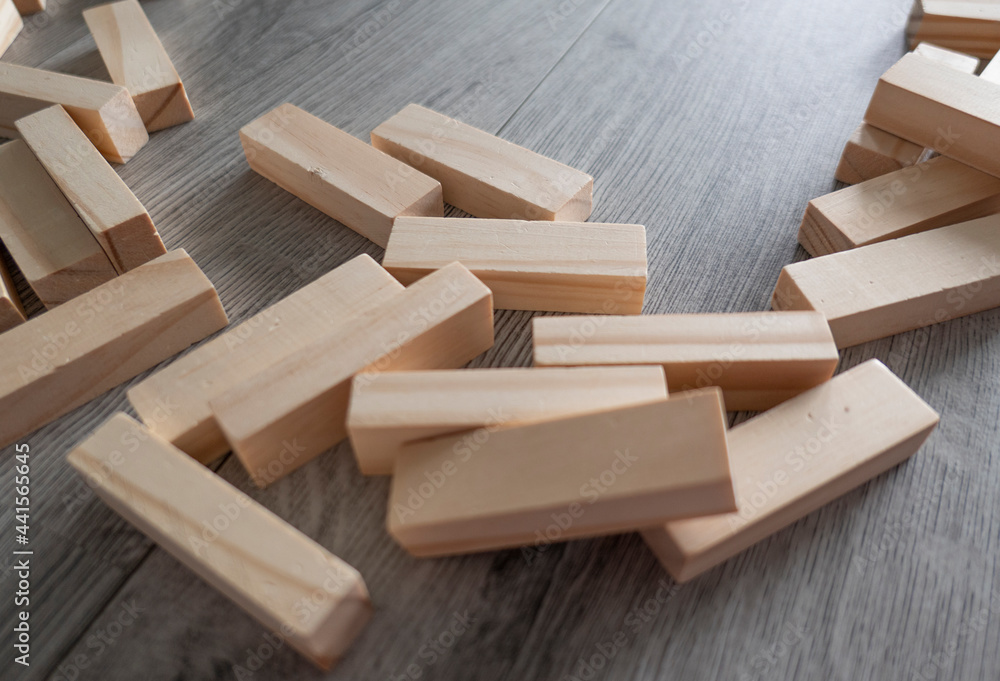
x=30 y=6
x=255 y=558
x=793 y=459
x=10 y=27
x=557 y=266
x=898 y=285
x=296 y=408
x=108 y=207
x=931 y=194
x=11 y=311
x=135 y=59
x=75 y=352
x=758 y=359
x=970 y=26
x=390 y=410
x=54 y=249
x=871 y=152
x=337 y=173
x=173 y=402
x=583 y=476
x=103 y=111
x=991 y=71
x=482 y=174
x=959 y=61
x=954 y=113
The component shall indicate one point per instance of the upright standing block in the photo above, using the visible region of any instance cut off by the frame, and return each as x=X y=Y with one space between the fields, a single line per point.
x=871 y=152
x=557 y=266
x=11 y=311
x=120 y=223
x=758 y=359
x=10 y=27
x=135 y=58
x=583 y=476
x=296 y=408
x=337 y=173
x=931 y=194
x=79 y=350
x=797 y=457
x=55 y=251
x=921 y=100
x=103 y=111
x=482 y=174
x=392 y=409
x=173 y=402
x=898 y=285
x=30 y=6
x=281 y=577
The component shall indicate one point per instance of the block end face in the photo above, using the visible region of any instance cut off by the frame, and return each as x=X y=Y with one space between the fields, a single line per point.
x=164 y=108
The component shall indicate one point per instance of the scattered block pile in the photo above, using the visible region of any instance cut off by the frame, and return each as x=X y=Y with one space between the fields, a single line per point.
x=621 y=425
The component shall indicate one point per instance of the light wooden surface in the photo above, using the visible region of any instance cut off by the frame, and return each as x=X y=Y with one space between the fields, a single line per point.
x=136 y=60
x=10 y=24
x=716 y=146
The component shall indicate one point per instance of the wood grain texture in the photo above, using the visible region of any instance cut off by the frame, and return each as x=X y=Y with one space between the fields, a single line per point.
x=336 y=172
x=584 y=267
x=390 y=409
x=971 y=26
x=70 y=355
x=716 y=147
x=104 y=112
x=136 y=60
x=116 y=218
x=54 y=250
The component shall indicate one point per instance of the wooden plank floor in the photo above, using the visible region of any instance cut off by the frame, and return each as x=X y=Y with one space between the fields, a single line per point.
x=713 y=123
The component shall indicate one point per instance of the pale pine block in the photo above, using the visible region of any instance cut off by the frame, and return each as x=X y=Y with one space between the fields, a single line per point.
x=530 y=265
x=256 y=559
x=758 y=359
x=77 y=351
x=55 y=251
x=104 y=112
x=296 y=408
x=174 y=402
x=932 y=194
x=337 y=173
x=898 y=285
x=390 y=410
x=482 y=174
x=793 y=459
x=114 y=215
x=136 y=60
x=10 y=27
x=614 y=471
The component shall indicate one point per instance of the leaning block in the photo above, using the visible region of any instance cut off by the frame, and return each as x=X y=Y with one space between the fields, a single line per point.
x=482 y=174
x=797 y=457
x=584 y=476
x=120 y=223
x=174 y=402
x=954 y=113
x=295 y=409
x=77 y=351
x=556 y=266
x=390 y=410
x=10 y=27
x=337 y=173
x=54 y=249
x=281 y=577
x=758 y=359
x=931 y=194
x=11 y=311
x=898 y=285
x=135 y=59
x=30 y=6
x=103 y=111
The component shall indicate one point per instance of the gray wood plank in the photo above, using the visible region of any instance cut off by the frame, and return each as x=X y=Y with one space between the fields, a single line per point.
x=717 y=154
